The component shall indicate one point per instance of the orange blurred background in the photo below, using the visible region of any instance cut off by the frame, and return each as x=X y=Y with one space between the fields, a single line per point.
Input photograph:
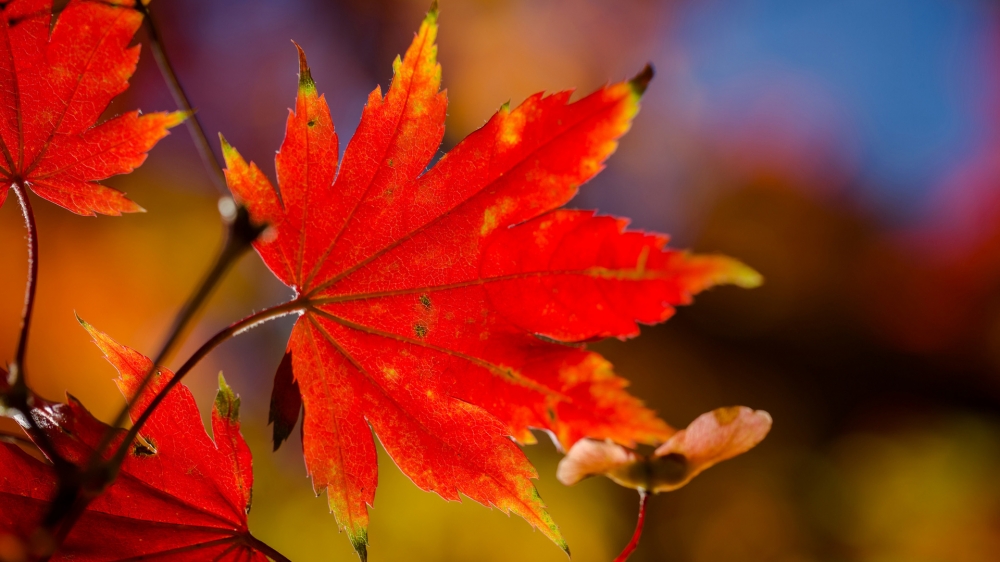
x=848 y=151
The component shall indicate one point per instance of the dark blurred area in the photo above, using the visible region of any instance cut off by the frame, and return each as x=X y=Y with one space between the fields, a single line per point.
x=849 y=151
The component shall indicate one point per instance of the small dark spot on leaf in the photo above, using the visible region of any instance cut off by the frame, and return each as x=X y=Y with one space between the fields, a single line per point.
x=311 y=123
x=426 y=301
x=551 y=413
x=420 y=330
x=391 y=163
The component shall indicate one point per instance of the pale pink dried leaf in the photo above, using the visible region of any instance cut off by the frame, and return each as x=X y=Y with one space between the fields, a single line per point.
x=712 y=438
x=588 y=457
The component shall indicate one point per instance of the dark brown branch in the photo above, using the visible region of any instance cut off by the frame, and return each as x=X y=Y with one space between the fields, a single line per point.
x=195 y=127
x=240 y=235
x=73 y=497
x=75 y=493
x=236 y=328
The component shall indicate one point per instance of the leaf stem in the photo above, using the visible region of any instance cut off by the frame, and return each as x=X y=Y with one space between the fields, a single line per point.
x=632 y=544
x=71 y=502
x=17 y=368
x=240 y=235
x=243 y=325
x=16 y=394
x=75 y=493
x=195 y=127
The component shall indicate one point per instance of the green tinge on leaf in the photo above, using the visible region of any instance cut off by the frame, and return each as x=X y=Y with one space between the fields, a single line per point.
x=641 y=81
x=744 y=276
x=306 y=82
x=227 y=403
x=359 y=540
x=178 y=117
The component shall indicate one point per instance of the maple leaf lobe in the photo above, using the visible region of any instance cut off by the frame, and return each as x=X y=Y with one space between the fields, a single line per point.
x=52 y=94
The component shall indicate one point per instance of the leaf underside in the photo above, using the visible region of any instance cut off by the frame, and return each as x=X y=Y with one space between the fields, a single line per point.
x=180 y=494
x=53 y=89
x=427 y=292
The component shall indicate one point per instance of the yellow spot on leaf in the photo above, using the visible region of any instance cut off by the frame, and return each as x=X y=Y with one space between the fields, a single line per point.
x=725 y=416
x=390 y=373
x=511 y=129
x=494 y=214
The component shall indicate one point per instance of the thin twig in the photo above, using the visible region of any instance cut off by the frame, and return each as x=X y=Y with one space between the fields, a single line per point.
x=630 y=547
x=195 y=127
x=240 y=235
x=74 y=494
x=77 y=490
x=70 y=503
x=236 y=328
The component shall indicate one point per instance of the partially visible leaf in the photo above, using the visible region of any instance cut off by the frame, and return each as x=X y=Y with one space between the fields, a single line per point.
x=286 y=401
x=710 y=439
x=179 y=495
x=54 y=87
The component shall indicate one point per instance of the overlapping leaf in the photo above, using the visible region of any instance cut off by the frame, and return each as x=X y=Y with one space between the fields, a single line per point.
x=54 y=87
x=425 y=293
x=179 y=496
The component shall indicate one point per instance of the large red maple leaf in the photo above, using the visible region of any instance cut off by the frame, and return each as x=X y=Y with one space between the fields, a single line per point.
x=179 y=495
x=424 y=294
x=53 y=89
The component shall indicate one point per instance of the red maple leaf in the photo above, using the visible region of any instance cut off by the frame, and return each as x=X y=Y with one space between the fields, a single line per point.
x=179 y=495
x=54 y=87
x=424 y=294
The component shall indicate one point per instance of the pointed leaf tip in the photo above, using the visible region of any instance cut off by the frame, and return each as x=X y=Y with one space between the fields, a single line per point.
x=432 y=12
x=360 y=543
x=96 y=335
x=228 y=151
x=227 y=402
x=747 y=277
x=641 y=80
x=177 y=117
x=306 y=81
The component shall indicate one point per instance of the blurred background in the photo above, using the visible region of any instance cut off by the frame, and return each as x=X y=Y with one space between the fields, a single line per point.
x=849 y=151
